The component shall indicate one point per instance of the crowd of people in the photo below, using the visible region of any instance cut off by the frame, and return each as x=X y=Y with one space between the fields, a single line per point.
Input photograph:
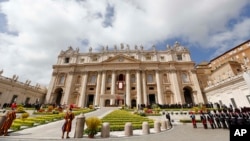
x=222 y=118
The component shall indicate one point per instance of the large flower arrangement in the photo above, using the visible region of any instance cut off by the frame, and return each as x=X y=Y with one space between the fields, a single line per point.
x=92 y=126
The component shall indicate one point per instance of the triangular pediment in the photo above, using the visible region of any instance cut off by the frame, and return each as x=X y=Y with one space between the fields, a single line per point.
x=121 y=59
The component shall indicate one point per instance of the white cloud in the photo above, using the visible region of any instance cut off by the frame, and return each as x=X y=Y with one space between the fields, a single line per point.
x=43 y=28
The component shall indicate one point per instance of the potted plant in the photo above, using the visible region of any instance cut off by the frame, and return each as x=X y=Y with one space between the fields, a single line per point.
x=92 y=126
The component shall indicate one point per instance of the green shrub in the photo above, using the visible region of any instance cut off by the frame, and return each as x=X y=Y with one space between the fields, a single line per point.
x=15 y=126
x=24 y=116
x=91 y=107
x=55 y=112
x=118 y=118
x=24 y=123
x=20 y=109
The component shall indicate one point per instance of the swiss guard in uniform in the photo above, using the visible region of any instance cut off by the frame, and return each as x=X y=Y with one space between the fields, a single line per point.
x=228 y=118
x=217 y=119
x=203 y=120
x=222 y=119
x=210 y=118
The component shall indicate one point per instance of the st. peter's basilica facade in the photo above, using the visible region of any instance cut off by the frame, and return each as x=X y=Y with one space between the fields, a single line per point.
x=125 y=76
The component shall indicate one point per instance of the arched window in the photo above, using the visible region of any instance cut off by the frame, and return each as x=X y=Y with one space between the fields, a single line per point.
x=121 y=77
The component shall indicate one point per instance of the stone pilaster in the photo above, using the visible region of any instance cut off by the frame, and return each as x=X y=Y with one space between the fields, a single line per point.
x=138 y=87
x=128 y=95
x=98 y=85
x=103 y=86
x=50 y=92
x=83 y=90
x=159 y=87
x=144 y=88
x=113 y=87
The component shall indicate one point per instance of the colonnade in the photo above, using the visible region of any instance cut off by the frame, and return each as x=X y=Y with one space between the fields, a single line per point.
x=141 y=87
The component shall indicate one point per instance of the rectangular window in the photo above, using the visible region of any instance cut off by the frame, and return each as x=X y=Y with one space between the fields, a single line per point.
x=109 y=79
x=66 y=60
x=133 y=79
x=132 y=88
x=82 y=60
x=94 y=59
x=93 y=79
x=150 y=78
x=108 y=88
x=148 y=57
x=179 y=57
x=162 y=58
x=185 y=78
x=91 y=89
x=151 y=88
x=62 y=79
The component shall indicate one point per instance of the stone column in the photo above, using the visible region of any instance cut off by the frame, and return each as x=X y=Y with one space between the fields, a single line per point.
x=97 y=92
x=144 y=88
x=83 y=90
x=103 y=86
x=113 y=87
x=138 y=87
x=128 y=97
x=159 y=87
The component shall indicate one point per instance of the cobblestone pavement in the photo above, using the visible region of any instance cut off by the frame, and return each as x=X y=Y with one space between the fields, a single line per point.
x=179 y=132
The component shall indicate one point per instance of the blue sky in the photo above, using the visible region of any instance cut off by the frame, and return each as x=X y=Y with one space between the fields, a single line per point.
x=32 y=33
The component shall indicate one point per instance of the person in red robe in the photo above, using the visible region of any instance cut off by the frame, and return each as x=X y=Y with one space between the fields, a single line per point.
x=13 y=105
x=192 y=116
x=69 y=116
x=10 y=117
